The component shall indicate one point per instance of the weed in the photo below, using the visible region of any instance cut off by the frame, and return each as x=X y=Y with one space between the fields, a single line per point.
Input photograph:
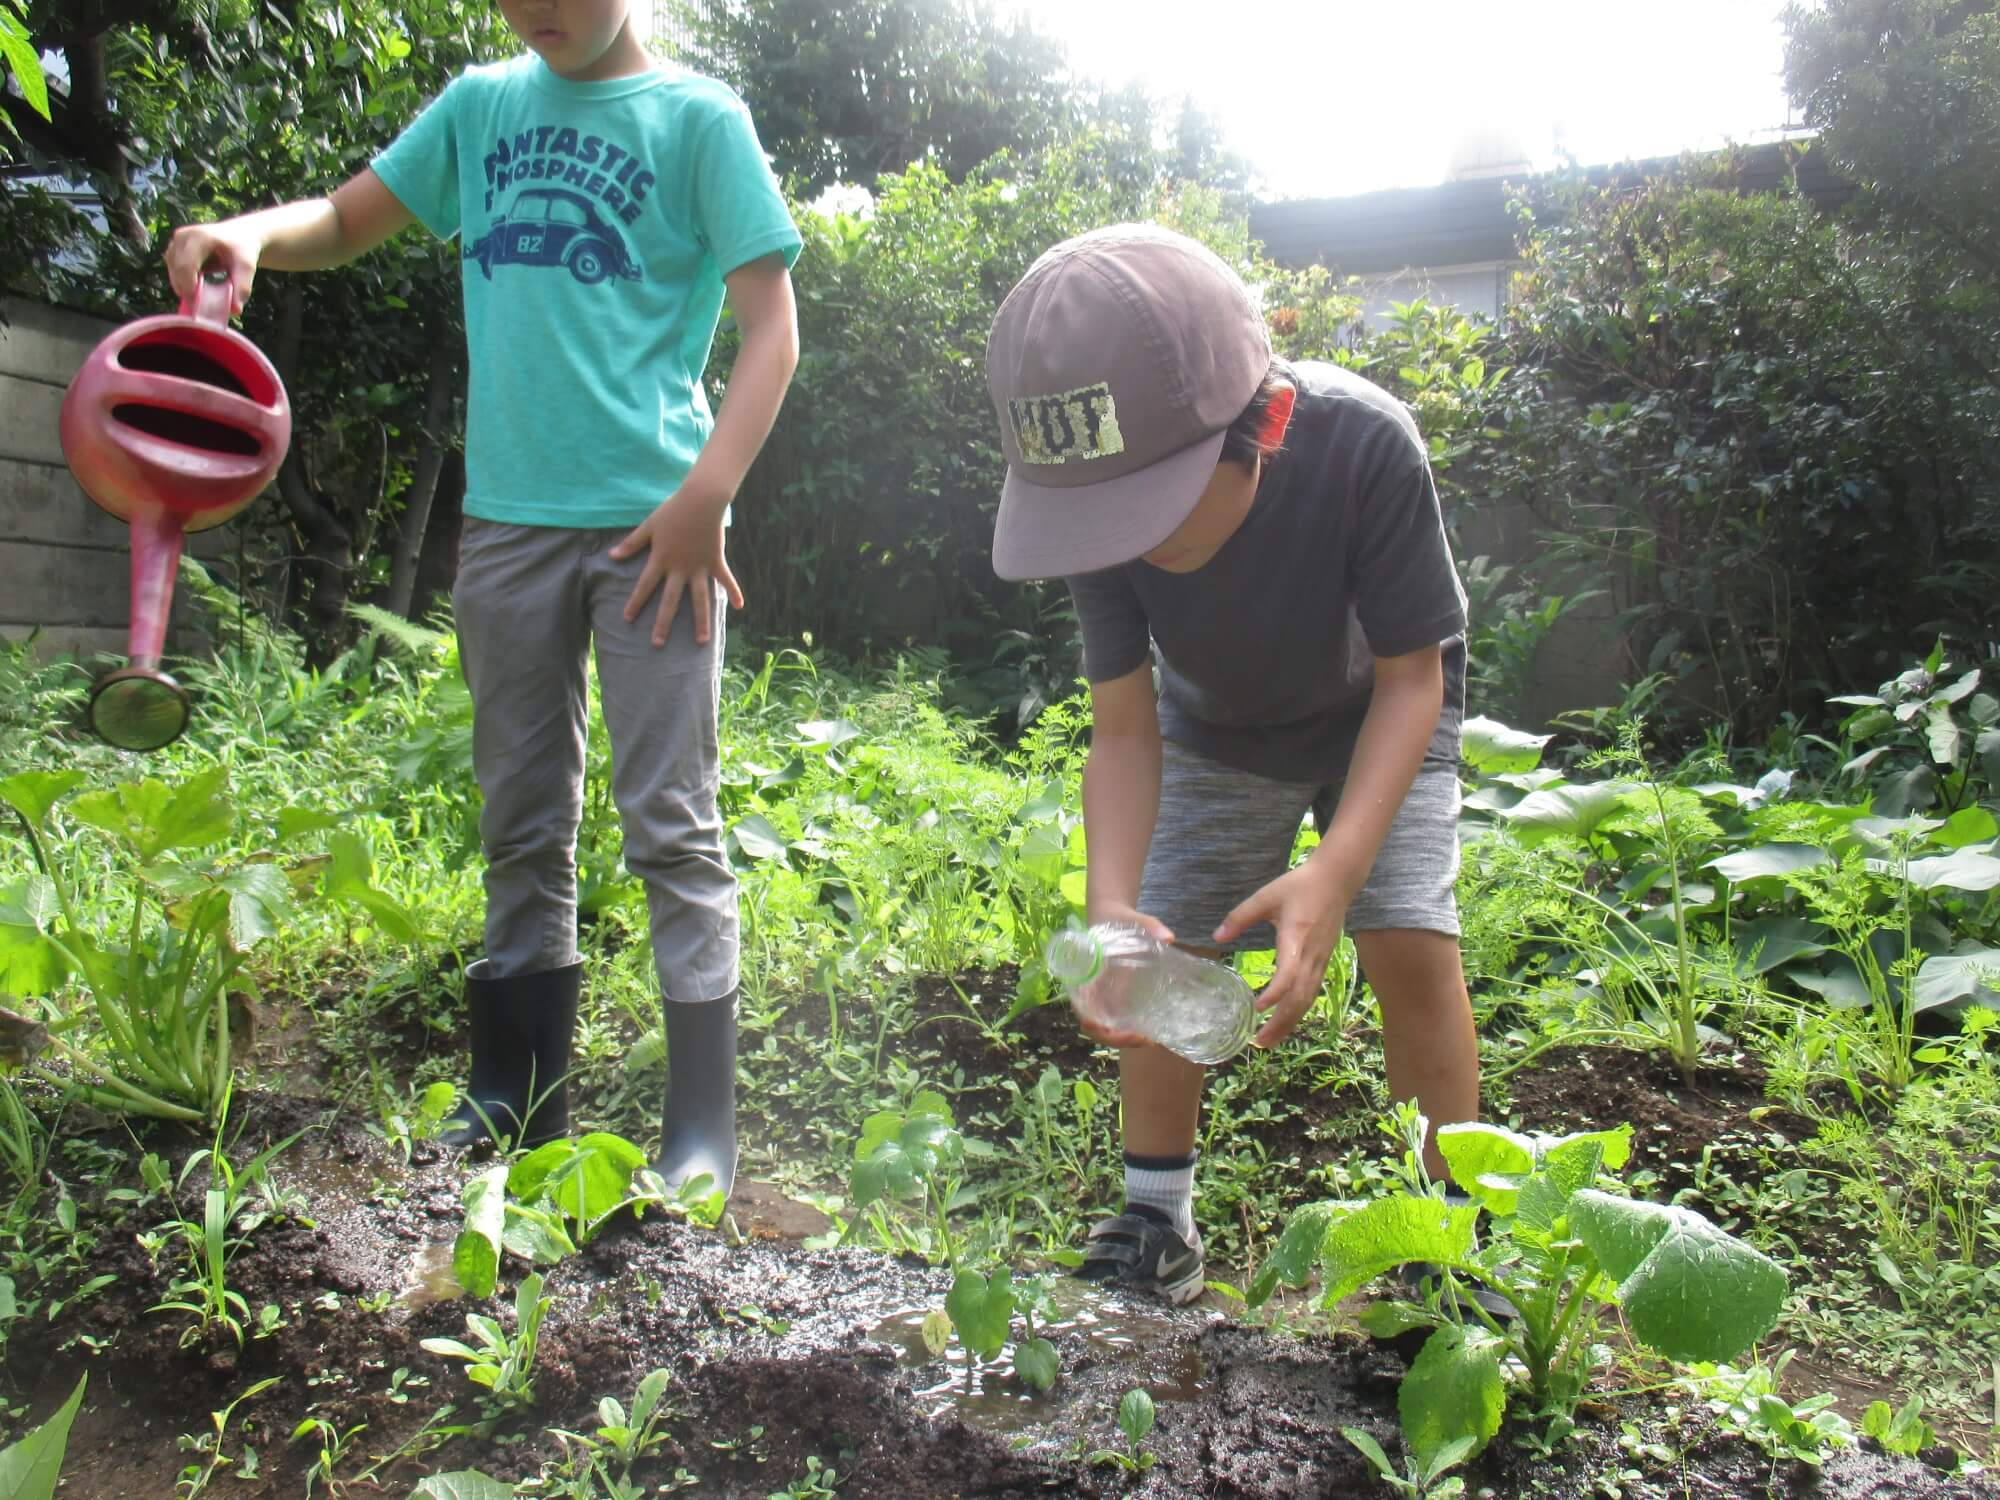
x=1135 y=1421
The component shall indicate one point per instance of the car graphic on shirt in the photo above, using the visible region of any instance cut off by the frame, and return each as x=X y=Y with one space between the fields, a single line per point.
x=552 y=227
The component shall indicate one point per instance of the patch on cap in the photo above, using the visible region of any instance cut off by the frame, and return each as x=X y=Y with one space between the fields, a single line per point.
x=1068 y=427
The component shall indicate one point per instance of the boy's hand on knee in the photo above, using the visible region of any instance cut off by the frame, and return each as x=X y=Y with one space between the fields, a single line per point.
x=683 y=542
x=1307 y=905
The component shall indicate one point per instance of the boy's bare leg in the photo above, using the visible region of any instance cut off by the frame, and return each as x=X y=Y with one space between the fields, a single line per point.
x=1430 y=1049
x=1161 y=1095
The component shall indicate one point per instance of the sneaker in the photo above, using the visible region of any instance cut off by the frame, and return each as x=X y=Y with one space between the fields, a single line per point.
x=1140 y=1251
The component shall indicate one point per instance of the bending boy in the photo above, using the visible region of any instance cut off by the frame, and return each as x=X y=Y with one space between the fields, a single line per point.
x=1266 y=536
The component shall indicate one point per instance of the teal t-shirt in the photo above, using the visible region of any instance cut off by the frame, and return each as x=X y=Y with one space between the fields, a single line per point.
x=596 y=221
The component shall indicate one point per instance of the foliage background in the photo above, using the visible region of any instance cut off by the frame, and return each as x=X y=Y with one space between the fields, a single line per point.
x=1765 y=431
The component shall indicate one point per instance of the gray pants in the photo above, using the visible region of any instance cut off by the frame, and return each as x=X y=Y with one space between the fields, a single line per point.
x=530 y=600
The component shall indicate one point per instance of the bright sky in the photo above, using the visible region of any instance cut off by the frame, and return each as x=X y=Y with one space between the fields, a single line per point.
x=1328 y=97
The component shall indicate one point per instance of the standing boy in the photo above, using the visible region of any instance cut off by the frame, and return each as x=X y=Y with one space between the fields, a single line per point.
x=1268 y=536
x=605 y=204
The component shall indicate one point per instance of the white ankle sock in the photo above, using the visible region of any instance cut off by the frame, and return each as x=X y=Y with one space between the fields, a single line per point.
x=1165 y=1184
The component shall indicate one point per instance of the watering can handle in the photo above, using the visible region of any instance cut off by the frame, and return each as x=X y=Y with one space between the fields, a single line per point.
x=214 y=299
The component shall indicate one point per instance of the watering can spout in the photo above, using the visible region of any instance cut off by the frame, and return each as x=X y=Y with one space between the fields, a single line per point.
x=173 y=424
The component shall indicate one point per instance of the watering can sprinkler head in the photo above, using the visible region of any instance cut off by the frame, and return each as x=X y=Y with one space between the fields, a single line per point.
x=174 y=424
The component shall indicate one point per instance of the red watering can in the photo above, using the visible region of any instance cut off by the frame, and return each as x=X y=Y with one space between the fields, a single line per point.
x=173 y=424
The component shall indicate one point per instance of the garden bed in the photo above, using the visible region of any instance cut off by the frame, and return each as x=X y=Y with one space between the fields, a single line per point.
x=780 y=1354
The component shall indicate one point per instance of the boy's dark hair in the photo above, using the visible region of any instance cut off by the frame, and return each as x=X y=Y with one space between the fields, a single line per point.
x=1249 y=438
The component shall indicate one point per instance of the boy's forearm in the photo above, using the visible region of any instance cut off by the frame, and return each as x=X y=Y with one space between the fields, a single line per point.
x=1121 y=801
x=1401 y=720
x=301 y=236
x=757 y=386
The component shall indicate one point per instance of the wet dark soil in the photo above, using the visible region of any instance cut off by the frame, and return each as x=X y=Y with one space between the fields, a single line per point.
x=779 y=1353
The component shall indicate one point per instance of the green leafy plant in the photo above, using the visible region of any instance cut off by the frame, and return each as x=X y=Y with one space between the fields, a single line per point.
x=333 y=1444
x=195 y=1478
x=231 y=1212
x=816 y=1483
x=1932 y=739
x=161 y=1001
x=1557 y=1247
x=1901 y=1429
x=912 y=1154
x=1425 y=1478
x=405 y=1126
x=622 y=1437
x=592 y=1179
x=1748 y=1402
x=503 y=1363
x=1135 y=1422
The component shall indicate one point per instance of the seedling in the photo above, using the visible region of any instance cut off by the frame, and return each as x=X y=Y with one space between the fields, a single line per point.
x=817 y=1482
x=504 y=1364
x=905 y=1155
x=1424 y=1479
x=195 y=1477
x=1902 y=1430
x=1135 y=1420
x=333 y=1446
x=625 y=1438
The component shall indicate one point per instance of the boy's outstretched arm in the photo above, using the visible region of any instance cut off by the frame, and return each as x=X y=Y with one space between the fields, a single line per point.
x=312 y=234
x=684 y=536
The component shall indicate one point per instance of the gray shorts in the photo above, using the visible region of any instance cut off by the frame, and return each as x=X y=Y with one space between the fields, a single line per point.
x=1223 y=833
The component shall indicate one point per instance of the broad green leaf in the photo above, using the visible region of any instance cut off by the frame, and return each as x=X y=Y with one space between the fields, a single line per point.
x=19 y=50
x=536 y=1235
x=1037 y=1363
x=1572 y=810
x=936 y=1331
x=1767 y=860
x=154 y=818
x=982 y=1310
x=1841 y=986
x=30 y=1467
x=1971 y=974
x=1389 y=1232
x=1942 y=734
x=827 y=733
x=30 y=962
x=758 y=837
x=260 y=902
x=1764 y=944
x=1453 y=1391
x=1489 y=746
x=1135 y=1415
x=586 y=1178
x=1962 y=870
x=1292 y=1259
x=1689 y=1290
x=296 y=821
x=475 y=1255
x=389 y=915
x=350 y=863
x=1969 y=825
x=33 y=793
x=462 y=1484
x=1486 y=1162
x=1564 y=1170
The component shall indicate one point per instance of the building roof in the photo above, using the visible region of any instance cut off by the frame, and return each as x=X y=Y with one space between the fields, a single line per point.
x=1465 y=223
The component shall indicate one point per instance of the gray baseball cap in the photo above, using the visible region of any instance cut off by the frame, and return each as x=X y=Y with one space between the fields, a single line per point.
x=1116 y=366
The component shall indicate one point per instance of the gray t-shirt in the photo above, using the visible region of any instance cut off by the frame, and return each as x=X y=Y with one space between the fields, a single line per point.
x=1267 y=651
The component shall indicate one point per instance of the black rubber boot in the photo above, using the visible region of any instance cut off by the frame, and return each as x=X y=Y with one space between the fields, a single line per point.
x=521 y=1031
x=698 y=1121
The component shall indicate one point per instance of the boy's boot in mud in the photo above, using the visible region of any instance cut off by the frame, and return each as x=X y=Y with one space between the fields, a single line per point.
x=698 y=1121
x=521 y=1031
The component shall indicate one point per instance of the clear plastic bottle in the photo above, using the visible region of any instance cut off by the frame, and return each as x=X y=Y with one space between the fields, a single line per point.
x=1121 y=976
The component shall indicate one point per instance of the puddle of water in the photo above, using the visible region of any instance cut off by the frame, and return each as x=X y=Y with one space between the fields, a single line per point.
x=431 y=1278
x=989 y=1392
